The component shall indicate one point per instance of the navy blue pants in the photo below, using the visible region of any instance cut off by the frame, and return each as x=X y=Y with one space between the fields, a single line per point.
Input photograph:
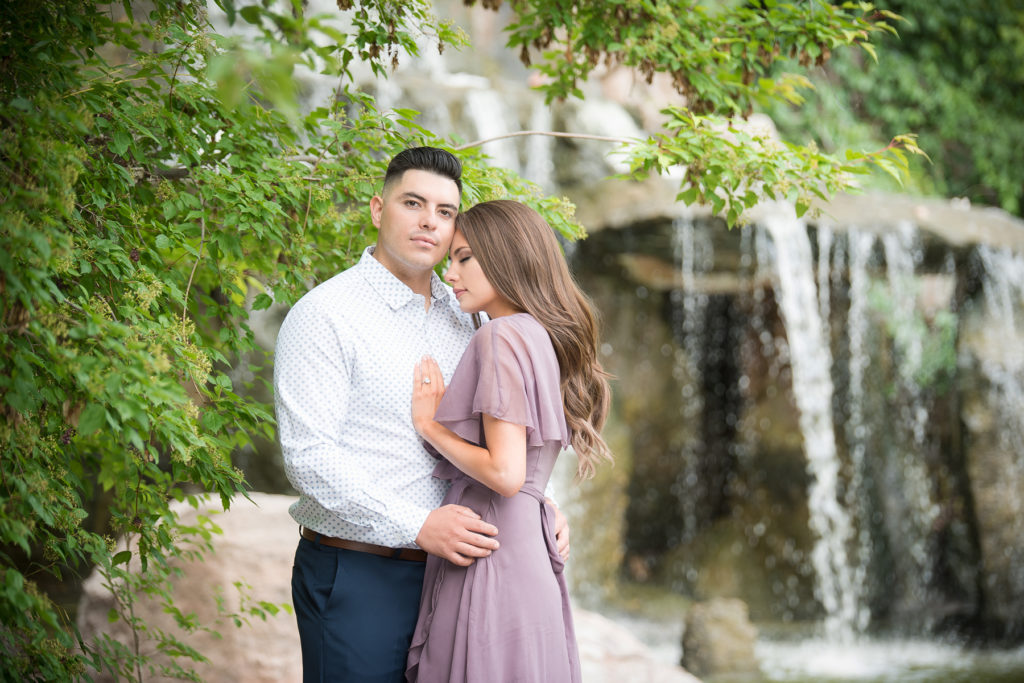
x=356 y=613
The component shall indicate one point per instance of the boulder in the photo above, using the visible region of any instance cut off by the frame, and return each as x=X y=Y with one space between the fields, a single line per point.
x=719 y=639
x=256 y=548
x=610 y=653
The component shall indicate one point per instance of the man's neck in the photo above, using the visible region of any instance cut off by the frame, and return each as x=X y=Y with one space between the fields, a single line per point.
x=418 y=282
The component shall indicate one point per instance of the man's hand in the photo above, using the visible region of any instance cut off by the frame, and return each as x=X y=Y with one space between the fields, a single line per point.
x=457 y=534
x=561 y=531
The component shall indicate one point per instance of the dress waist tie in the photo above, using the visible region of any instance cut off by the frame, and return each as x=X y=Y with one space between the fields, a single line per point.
x=547 y=518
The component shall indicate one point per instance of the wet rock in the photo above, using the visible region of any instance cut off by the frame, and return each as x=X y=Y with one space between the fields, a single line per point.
x=609 y=653
x=719 y=639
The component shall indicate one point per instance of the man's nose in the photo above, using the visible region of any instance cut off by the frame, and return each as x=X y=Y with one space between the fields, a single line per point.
x=429 y=219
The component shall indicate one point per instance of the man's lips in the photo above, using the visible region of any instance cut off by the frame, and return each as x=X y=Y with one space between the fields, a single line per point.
x=424 y=239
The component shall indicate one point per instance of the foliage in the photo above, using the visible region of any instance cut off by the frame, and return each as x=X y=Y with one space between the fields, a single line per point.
x=954 y=75
x=143 y=208
x=724 y=59
x=160 y=180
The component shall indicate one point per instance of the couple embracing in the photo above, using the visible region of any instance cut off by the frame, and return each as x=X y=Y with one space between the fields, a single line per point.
x=429 y=550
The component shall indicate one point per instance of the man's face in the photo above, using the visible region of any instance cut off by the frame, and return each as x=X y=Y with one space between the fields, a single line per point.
x=416 y=220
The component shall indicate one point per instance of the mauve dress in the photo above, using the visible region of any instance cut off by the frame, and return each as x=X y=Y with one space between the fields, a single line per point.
x=506 y=617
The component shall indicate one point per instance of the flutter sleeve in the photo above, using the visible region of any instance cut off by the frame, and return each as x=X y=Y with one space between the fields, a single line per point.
x=509 y=371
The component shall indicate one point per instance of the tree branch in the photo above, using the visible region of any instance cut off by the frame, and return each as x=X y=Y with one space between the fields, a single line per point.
x=554 y=134
x=178 y=173
x=199 y=256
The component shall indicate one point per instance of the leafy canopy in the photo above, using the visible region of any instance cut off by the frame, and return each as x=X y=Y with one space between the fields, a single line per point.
x=955 y=76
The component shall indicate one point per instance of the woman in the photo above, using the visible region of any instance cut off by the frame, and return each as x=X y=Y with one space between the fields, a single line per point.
x=528 y=386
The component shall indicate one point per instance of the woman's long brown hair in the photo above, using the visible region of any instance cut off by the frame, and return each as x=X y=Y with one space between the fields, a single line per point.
x=522 y=260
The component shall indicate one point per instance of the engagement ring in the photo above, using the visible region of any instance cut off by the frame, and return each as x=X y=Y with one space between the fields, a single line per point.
x=426 y=380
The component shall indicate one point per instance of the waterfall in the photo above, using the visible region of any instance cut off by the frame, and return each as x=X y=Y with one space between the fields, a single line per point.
x=1003 y=366
x=695 y=254
x=486 y=109
x=916 y=510
x=858 y=431
x=811 y=361
x=540 y=165
x=825 y=270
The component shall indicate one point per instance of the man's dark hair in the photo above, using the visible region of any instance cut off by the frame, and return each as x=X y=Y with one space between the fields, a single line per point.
x=430 y=159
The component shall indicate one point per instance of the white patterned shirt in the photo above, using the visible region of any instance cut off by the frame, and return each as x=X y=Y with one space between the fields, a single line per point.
x=343 y=375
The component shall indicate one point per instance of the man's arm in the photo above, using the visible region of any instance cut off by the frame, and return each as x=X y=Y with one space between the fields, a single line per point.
x=312 y=394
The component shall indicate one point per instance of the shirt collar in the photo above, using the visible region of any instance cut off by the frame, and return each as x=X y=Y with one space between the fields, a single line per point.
x=393 y=291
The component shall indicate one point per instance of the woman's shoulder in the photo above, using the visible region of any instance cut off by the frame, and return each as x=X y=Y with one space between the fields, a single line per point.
x=522 y=322
x=516 y=328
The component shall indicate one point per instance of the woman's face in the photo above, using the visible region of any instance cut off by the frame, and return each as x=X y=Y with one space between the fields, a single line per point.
x=471 y=286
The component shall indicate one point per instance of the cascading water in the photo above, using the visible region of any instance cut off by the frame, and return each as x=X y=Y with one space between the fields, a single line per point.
x=487 y=110
x=539 y=166
x=811 y=363
x=857 y=431
x=913 y=513
x=695 y=255
x=1003 y=365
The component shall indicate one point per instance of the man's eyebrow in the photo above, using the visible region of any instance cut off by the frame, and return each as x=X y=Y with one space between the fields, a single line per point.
x=409 y=194
x=423 y=200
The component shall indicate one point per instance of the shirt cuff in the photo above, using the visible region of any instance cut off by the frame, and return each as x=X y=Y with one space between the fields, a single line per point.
x=409 y=527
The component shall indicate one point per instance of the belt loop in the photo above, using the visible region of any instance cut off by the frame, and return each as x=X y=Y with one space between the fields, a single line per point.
x=316 y=535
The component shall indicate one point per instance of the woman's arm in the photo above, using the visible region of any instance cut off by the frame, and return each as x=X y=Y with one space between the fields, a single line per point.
x=501 y=467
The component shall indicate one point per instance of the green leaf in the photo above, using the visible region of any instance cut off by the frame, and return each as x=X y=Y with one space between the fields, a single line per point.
x=262 y=302
x=119 y=142
x=689 y=195
x=252 y=13
x=92 y=418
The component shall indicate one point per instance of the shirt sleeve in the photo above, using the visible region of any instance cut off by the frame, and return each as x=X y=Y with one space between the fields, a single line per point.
x=312 y=397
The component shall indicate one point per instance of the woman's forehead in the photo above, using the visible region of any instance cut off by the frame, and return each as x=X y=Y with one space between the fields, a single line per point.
x=458 y=241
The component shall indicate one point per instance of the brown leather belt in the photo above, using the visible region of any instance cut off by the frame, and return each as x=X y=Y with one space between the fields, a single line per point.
x=408 y=554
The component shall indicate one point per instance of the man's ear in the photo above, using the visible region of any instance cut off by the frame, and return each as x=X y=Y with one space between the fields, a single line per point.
x=376 y=208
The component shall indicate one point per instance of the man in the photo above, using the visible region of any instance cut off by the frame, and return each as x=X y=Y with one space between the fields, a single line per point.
x=368 y=506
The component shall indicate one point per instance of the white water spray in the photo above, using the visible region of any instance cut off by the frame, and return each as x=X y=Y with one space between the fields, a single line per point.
x=811 y=361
